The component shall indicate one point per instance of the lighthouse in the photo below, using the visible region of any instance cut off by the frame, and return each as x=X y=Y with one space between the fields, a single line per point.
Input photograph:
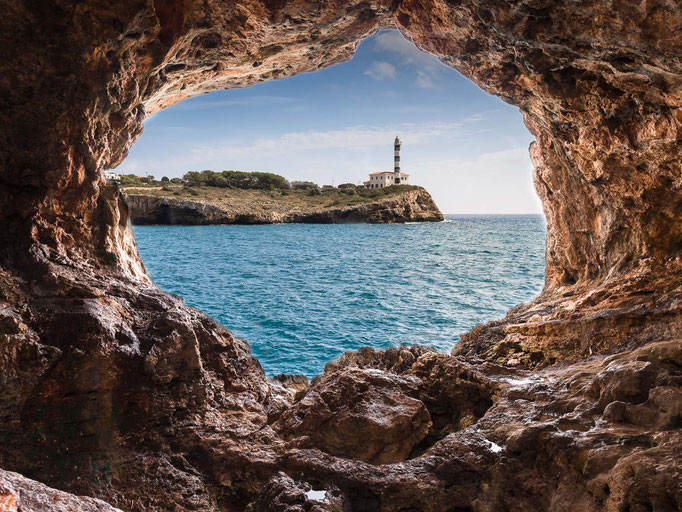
x=381 y=179
x=396 y=160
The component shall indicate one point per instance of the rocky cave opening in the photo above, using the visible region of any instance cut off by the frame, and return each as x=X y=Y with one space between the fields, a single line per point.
x=116 y=390
x=195 y=117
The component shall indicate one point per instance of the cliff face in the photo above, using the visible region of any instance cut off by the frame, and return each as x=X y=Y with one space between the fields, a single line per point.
x=113 y=389
x=410 y=206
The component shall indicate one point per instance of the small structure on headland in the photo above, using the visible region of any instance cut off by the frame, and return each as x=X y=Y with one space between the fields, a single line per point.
x=112 y=176
x=387 y=178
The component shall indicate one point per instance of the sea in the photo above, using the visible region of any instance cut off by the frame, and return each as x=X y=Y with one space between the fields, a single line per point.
x=303 y=294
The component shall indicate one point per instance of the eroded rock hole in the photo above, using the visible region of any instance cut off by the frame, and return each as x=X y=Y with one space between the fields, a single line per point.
x=364 y=285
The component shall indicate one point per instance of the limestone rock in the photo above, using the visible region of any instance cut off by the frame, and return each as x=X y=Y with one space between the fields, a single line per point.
x=409 y=206
x=365 y=415
x=397 y=360
x=283 y=494
x=113 y=389
x=19 y=494
x=285 y=390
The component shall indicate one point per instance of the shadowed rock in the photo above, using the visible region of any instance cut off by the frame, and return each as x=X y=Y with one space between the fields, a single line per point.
x=283 y=494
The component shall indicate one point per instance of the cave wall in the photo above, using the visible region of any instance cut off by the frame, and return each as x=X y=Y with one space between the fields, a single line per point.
x=598 y=83
x=599 y=86
x=114 y=389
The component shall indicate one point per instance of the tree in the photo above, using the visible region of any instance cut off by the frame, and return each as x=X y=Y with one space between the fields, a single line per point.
x=304 y=185
x=128 y=180
x=165 y=179
x=236 y=179
x=193 y=178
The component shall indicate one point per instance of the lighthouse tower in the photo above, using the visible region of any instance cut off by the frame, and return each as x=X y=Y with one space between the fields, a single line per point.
x=396 y=160
x=383 y=179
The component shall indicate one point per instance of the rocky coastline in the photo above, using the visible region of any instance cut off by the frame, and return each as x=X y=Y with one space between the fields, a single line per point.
x=415 y=205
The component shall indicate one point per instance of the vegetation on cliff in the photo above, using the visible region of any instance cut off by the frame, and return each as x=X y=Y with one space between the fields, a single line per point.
x=200 y=185
x=248 y=187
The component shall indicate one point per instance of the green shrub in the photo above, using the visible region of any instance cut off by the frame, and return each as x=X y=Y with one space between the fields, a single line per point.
x=236 y=179
x=304 y=185
x=128 y=180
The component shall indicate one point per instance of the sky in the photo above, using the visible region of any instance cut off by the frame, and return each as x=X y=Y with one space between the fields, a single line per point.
x=467 y=148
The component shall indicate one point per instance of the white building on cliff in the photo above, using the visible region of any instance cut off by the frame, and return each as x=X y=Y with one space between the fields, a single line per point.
x=112 y=176
x=387 y=178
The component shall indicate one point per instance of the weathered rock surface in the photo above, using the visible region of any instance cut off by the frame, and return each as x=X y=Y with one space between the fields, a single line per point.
x=366 y=415
x=556 y=439
x=113 y=389
x=410 y=206
x=284 y=494
x=19 y=494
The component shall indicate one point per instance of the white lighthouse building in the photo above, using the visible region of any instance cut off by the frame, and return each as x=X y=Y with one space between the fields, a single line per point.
x=388 y=178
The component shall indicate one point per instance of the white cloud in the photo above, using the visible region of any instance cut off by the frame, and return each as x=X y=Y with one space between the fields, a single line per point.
x=251 y=101
x=427 y=66
x=380 y=70
x=393 y=41
x=296 y=146
x=438 y=155
x=424 y=81
x=493 y=182
x=479 y=116
x=351 y=137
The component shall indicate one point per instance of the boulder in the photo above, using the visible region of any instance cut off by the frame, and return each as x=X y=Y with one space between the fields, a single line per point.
x=365 y=415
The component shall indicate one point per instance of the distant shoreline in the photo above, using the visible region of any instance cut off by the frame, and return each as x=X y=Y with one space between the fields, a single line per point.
x=212 y=205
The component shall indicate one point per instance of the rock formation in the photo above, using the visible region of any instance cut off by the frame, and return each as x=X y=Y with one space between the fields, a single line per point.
x=365 y=415
x=115 y=390
x=21 y=494
x=410 y=206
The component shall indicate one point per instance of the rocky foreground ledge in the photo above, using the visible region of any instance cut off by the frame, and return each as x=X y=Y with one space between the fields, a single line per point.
x=412 y=205
x=18 y=493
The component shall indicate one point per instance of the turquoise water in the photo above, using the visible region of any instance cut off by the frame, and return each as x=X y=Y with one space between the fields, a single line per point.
x=302 y=294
